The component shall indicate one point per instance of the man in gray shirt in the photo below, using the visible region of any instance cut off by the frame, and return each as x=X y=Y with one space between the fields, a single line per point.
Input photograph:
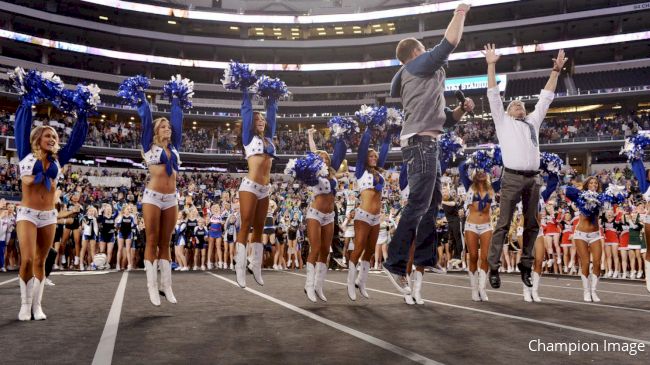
x=421 y=85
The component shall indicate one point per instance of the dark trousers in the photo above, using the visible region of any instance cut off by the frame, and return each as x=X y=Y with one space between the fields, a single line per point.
x=515 y=188
x=455 y=240
x=418 y=219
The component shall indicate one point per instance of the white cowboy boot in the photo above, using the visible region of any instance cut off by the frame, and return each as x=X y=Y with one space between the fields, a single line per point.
x=352 y=275
x=586 y=288
x=535 y=288
x=36 y=300
x=256 y=262
x=593 y=282
x=473 y=282
x=363 y=278
x=151 y=269
x=26 y=297
x=417 y=288
x=482 y=280
x=240 y=264
x=309 y=283
x=166 y=280
x=321 y=272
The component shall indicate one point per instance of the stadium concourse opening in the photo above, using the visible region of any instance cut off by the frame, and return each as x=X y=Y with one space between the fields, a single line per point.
x=365 y=182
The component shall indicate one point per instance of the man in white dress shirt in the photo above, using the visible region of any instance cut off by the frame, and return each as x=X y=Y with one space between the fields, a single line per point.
x=518 y=135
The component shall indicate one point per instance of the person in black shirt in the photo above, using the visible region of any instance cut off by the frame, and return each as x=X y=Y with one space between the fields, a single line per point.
x=125 y=224
x=451 y=207
x=106 y=222
x=200 y=237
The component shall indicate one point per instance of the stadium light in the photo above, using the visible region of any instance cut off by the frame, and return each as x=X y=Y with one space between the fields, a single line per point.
x=233 y=27
x=139 y=57
x=172 y=22
x=101 y=17
x=292 y=19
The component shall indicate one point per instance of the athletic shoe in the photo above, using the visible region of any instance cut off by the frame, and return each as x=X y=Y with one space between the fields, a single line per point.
x=195 y=268
x=202 y=267
x=400 y=282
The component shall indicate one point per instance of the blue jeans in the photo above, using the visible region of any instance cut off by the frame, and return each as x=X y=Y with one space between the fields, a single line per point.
x=418 y=220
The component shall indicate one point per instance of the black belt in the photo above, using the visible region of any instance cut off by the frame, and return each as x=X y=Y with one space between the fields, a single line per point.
x=420 y=138
x=522 y=173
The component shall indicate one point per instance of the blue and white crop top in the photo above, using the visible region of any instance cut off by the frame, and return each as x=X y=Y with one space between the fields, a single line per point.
x=154 y=154
x=471 y=197
x=29 y=165
x=365 y=179
x=325 y=184
x=253 y=144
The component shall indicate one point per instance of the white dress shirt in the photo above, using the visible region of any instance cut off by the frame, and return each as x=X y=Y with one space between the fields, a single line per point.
x=519 y=152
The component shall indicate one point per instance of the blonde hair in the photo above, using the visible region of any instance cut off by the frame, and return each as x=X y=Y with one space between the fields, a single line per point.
x=35 y=141
x=157 y=123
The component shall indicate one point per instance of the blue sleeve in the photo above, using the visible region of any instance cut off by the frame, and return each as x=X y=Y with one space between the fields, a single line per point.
x=362 y=153
x=271 y=111
x=144 y=111
x=396 y=85
x=572 y=193
x=551 y=185
x=464 y=175
x=403 y=177
x=496 y=185
x=340 y=148
x=76 y=140
x=449 y=121
x=639 y=172
x=247 y=119
x=383 y=153
x=176 y=122
x=429 y=62
x=22 y=129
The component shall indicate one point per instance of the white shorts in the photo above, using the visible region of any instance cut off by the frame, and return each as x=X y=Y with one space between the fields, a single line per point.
x=633 y=247
x=479 y=229
x=40 y=218
x=589 y=237
x=382 y=239
x=371 y=219
x=260 y=191
x=611 y=243
x=322 y=218
x=520 y=231
x=349 y=233
x=162 y=201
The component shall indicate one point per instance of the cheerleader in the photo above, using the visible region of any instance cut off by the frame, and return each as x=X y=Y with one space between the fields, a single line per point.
x=623 y=242
x=200 y=235
x=90 y=230
x=634 y=149
x=215 y=237
x=348 y=234
x=478 y=227
x=41 y=163
x=125 y=224
x=320 y=215
x=386 y=228
x=106 y=223
x=73 y=225
x=292 y=242
x=268 y=234
x=587 y=235
x=4 y=225
x=257 y=138
x=612 y=227
x=281 y=238
x=232 y=227
x=566 y=242
x=179 y=245
x=161 y=141
x=552 y=238
x=190 y=239
x=63 y=218
x=636 y=226
x=370 y=184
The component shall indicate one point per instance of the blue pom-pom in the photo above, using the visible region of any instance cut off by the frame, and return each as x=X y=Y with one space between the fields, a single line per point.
x=307 y=169
x=614 y=195
x=132 y=90
x=589 y=203
x=484 y=160
x=550 y=163
x=451 y=147
x=394 y=120
x=373 y=117
x=84 y=99
x=269 y=88
x=635 y=145
x=35 y=86
x=239 y=76
x=181 y=88
x=343 y=127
